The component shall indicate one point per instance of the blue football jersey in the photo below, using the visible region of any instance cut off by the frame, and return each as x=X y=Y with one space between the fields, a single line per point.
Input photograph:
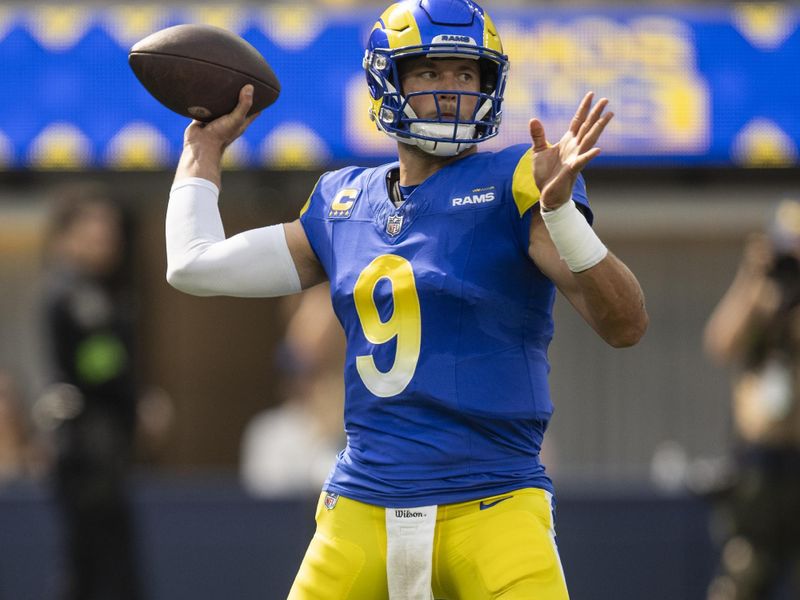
x=447 y=321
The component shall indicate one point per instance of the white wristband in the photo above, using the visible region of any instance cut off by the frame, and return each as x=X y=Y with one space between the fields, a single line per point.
x=574 y=238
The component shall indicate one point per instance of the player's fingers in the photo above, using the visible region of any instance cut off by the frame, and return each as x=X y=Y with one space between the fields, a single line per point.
x=230 y=126
x=591 y=137
x=584 y=159
x=234 y=119
x=538 y=136
x=593 y=117
x=244 y=104
x=581 y=113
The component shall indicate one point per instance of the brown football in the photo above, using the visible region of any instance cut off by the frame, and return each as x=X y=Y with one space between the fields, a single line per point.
x=198 y=70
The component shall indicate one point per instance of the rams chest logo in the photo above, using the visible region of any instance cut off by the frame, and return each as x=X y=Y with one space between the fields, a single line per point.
x=343 y=201
x=477 y=196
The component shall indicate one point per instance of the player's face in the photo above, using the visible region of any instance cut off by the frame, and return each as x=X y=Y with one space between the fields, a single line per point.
x=424 y=74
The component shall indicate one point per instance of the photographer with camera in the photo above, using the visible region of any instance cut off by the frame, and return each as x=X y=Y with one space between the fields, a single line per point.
x=756 y=329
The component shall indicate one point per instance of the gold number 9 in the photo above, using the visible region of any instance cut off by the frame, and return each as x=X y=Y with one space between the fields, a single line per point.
x=405 y=324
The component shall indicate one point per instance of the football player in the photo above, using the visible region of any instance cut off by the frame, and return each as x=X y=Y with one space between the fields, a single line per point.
x=443 y=267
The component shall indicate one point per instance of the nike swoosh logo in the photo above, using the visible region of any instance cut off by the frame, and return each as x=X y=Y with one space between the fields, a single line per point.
x=485 y=505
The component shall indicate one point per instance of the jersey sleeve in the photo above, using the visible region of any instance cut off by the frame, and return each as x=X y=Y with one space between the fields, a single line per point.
x=525 y=192
x=313 y=222
x=582 y=199
x=307 y=205
x=333 y=198
x=517 y=162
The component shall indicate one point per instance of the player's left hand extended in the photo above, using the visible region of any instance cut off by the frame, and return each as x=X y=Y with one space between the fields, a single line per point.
x=556 y=167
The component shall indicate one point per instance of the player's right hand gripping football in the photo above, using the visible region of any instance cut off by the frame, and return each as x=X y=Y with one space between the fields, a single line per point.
x=222 y=132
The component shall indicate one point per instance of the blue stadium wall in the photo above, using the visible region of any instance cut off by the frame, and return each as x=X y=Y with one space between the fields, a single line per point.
x=690 y=86
x=206 y=540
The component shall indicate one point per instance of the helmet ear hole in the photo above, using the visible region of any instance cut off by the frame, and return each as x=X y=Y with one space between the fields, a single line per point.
x=488 y=76
x=402 y=66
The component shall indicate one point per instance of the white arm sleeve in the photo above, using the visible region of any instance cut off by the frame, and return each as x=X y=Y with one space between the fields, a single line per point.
x=200 y=261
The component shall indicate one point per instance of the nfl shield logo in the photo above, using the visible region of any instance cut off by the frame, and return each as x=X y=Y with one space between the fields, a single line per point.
x=394 y=224
x=330 y=500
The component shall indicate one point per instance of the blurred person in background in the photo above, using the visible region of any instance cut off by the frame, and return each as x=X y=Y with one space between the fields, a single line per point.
x=756 y=329
x=91 y=403
x=443 y=268
x=289 y=450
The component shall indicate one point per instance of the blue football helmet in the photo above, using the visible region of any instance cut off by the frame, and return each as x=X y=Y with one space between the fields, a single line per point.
x=435 y=29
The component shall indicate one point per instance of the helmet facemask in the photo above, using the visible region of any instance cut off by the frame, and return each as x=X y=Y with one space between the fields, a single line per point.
x=438 y=135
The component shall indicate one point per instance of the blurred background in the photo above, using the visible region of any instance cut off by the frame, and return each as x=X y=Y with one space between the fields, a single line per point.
x=705 y=142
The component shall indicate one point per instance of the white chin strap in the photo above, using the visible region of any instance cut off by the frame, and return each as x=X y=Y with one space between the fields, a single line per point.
x=440 y=130
x=444 y=131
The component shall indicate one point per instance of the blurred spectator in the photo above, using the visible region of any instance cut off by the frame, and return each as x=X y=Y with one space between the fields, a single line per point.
x=756 y=328
x=20 y=455
x=289 y=450
x=91 y=404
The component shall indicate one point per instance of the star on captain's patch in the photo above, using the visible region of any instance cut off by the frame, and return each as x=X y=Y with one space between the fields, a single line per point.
x=394 y=224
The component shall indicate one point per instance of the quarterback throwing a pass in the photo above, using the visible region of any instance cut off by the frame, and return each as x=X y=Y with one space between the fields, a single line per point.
x=443 y=267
